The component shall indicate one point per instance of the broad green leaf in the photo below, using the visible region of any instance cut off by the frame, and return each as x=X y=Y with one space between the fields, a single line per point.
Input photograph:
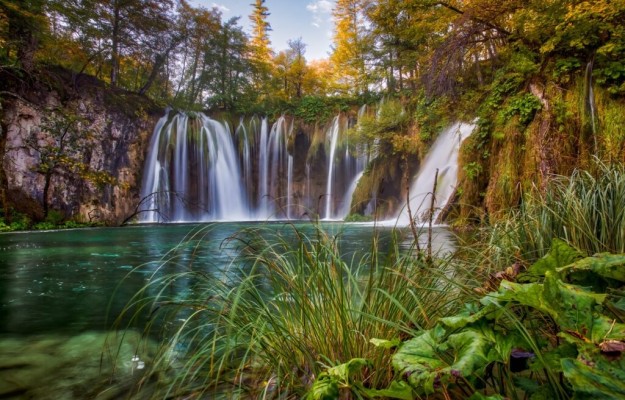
x=529 y=294
x=593 y=376
x=468 y=317
x=572 y=307
x=324 y=388
x=560 y=255
x=433 y=357
x=551 y=359
x=606 y=265
x=344 y=371
x=470 y=352
x=419 y=359
x=397 y=390
x=385 y=344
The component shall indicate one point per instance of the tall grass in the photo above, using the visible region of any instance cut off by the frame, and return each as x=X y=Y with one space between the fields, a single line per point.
x=586 y=209
x=288 y=307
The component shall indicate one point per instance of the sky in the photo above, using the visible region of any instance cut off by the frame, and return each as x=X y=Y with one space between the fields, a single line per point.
x=290 y=19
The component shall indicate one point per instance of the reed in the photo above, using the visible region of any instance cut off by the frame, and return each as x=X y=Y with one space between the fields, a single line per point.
x=586 y=209
x=286 y=308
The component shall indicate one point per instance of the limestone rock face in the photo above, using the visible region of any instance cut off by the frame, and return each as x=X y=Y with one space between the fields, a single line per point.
x=111 y=137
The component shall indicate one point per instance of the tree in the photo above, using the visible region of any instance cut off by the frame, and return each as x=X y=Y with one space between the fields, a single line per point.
x=140 y=30
x=63 y=144
x=353 y=44
x=260 y=54
x=201 y=26
x=25 y=24
x=297 y=67
x=212 y=63
x=224 y=76
x=291 y=69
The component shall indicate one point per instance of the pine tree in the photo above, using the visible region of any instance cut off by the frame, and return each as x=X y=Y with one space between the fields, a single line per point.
x=261 y=54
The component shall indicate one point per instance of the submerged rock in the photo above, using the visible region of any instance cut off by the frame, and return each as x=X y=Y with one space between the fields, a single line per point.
x=93 y=365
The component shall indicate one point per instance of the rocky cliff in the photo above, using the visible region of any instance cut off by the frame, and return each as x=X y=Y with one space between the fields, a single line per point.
x=71 y=145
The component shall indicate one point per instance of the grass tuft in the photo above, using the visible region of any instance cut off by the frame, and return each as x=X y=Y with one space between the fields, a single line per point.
x=585 y=209
x=287 y=307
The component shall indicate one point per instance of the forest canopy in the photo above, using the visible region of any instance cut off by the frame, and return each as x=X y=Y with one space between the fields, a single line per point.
x=191 y=57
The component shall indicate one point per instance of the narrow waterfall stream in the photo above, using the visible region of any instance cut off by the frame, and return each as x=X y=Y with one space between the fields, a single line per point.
x=443 y=156
x=333 y=135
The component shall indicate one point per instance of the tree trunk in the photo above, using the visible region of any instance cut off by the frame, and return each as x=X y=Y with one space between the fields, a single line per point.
x=46 y=190
x=159 y=61
x=115 y=45
x=28 y=44
x=24 y=27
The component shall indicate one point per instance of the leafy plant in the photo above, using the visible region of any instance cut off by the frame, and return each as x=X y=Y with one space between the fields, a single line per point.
x=313 y=109
x=525 y=106
x=581 y=298
x=473 y=169
x=330 y=383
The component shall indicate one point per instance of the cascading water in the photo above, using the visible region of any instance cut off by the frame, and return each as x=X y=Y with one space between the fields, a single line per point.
x=190 y=171
x=263 y=176
x=344 y=170
x=345 y=208
x=243 y=140
x=443 y=156
x=277 y=198
x=333 y=135
x=198 y=169
x=590 y=101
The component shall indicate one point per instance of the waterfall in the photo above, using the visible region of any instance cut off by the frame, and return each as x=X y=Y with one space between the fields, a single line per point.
x=242 y=135
x=263 y=176
x=289 y=190
x=347 y=200
x=192 y=172
x=590 y=102
x=333 y=135
x=308 y=193
x=200 y=169
x=443 y=155
x=152 y=176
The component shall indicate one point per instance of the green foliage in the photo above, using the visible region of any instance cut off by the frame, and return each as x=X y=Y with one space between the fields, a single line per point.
x=523 y=62
x=431 y=115
x=358 y=218
x=330 y=384
x=295 y=305
x=4 y=227
x=313 y=109
x=504 y=84
x=340 y=379
x=462 y=350
x=53 y=220
x=14 y=221
x=388 y=128
x=612 y=75
x=472 y=169
x=565 y=67
x=524 y=105
x=584 y=209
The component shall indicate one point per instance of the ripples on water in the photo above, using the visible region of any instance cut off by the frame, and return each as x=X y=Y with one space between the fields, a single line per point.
x=56 y=288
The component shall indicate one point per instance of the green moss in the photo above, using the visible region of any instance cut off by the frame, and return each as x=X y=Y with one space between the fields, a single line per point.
x=611 y=122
